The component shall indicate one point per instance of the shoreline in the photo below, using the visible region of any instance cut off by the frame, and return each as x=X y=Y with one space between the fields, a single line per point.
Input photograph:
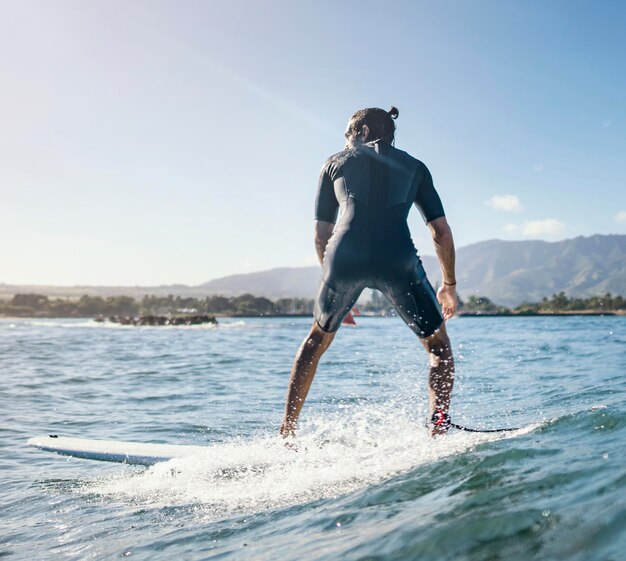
x=544 y=314
x=616 y=313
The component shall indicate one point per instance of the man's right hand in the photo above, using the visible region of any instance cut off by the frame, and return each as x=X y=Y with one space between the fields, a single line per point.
x=444 y=246
x=446 y=295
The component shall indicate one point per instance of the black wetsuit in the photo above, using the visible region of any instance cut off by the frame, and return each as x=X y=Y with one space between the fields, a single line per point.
x=375 y=185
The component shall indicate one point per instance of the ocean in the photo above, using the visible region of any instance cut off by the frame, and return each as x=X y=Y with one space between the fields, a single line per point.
x=366 y=483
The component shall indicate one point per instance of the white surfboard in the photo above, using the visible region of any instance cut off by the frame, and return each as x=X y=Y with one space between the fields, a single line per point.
x=136 y=453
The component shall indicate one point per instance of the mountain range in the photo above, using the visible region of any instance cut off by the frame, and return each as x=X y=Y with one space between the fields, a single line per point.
x=507 y=272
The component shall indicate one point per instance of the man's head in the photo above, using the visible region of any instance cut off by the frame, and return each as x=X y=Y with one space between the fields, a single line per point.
x=371 y=124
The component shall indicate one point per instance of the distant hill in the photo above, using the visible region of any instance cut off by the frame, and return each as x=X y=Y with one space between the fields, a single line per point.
x=274 y=283
x=507 y=272
x=511 y=272
x=8 y=290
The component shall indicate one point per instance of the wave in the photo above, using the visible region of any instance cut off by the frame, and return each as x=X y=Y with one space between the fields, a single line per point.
x=335 y=455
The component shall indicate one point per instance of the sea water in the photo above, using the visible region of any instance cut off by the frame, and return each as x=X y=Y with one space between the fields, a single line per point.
x=366 y=482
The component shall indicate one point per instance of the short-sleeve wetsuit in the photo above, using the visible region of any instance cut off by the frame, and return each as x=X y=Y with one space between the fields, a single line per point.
x=374 y=186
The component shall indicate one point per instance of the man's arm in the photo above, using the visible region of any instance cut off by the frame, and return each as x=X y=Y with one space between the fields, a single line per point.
x=323 y=233
x=444 y=247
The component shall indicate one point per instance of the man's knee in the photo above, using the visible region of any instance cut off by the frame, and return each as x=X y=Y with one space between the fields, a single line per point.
x=438 y=347
x=318 y=338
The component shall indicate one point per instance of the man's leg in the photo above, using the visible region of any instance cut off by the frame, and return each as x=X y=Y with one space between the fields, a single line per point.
x=416 y=303
x=441 y=373
x=302 y=374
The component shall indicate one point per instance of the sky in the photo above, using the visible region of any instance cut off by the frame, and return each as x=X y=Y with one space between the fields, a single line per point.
x=160 y=142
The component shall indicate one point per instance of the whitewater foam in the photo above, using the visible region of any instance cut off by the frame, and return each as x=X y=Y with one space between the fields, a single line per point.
x=335 y=455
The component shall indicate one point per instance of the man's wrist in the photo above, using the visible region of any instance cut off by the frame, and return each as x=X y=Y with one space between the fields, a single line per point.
x=449 y=283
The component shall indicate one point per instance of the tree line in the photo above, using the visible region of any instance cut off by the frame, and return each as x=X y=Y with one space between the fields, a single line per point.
x=37 y=305
x=557 y=303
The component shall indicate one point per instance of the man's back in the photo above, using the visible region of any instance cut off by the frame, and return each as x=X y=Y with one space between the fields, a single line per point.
x=374 y=186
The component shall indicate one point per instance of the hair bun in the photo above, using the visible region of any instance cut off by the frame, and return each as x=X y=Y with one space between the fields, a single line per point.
x=393 y=112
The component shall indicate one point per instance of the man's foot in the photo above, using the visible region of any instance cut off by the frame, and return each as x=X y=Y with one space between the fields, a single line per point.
x=287 y=429
x=439 y=423
x=288 y=432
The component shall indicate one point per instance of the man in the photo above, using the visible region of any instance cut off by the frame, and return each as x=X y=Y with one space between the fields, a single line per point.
x=374 y=185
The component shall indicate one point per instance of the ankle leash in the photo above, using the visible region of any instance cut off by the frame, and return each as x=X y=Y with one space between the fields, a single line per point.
x=441 y=419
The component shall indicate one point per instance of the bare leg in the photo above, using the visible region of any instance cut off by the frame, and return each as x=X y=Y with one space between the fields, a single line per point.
x=441 y=374
x=302 y=374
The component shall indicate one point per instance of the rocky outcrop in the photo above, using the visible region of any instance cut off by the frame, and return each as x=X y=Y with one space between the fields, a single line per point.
x=161 y=320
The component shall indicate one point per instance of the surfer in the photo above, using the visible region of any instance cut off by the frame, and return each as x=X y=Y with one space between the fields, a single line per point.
x=374 y=184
